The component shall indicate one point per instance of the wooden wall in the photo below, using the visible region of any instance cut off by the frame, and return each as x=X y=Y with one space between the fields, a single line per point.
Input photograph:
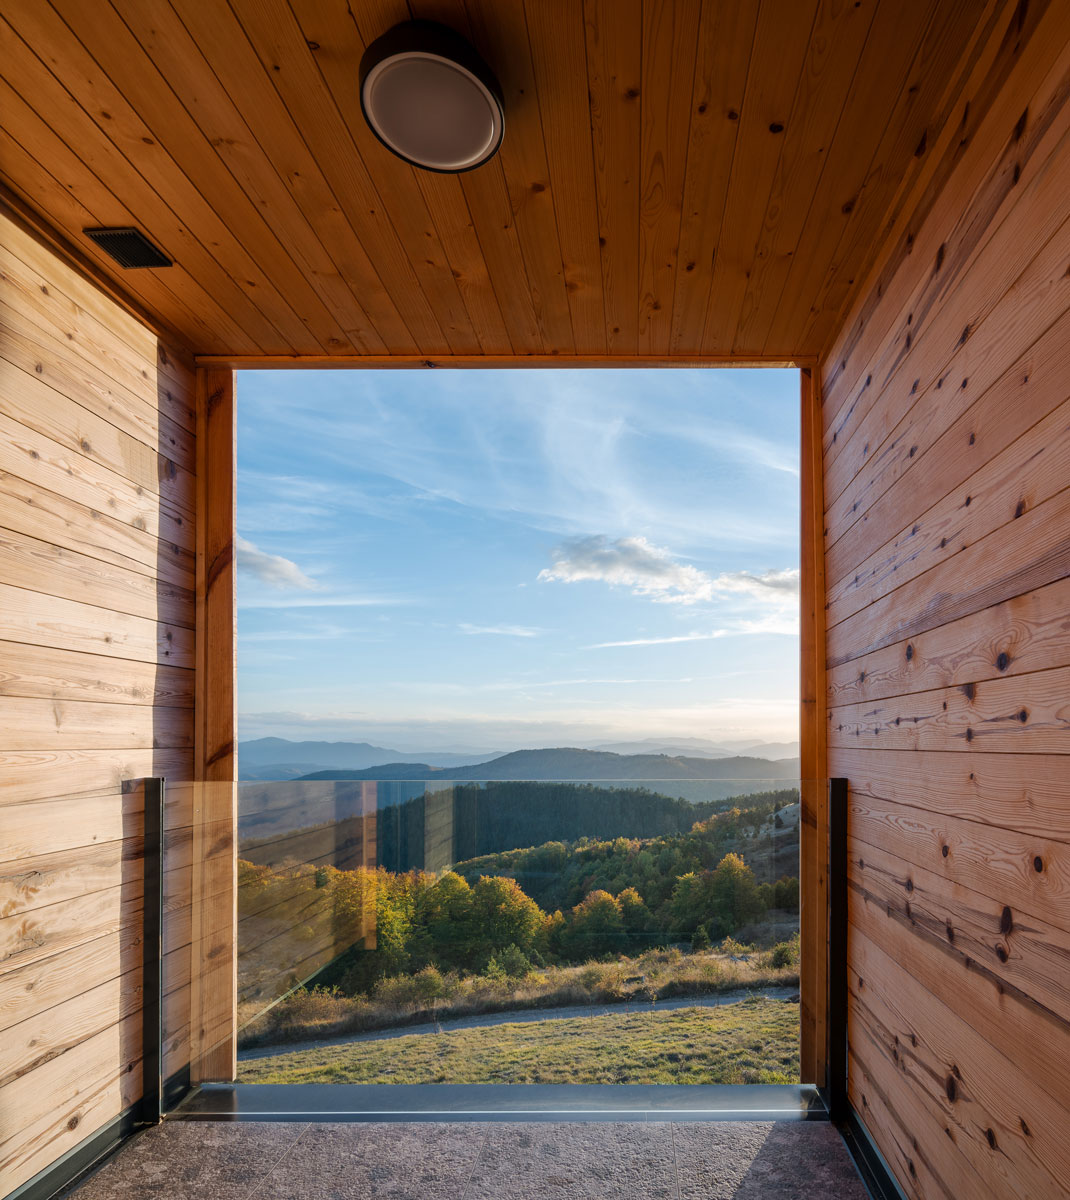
x=946 y=414
x=97 y=614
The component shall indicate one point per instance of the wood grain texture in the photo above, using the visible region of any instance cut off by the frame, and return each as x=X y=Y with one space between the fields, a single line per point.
x=214 y=794
x=97 y=649
x=679 y=177
x=997 y=1117
x=813 y=744
x=946 y=451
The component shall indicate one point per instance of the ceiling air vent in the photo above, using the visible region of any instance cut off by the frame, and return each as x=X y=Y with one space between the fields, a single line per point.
x=129 y=247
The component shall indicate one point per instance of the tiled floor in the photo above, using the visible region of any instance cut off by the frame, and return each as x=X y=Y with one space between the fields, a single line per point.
x=199 y=1160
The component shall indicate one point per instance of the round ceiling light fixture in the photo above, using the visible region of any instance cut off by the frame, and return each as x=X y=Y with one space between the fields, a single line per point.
x=430 y=98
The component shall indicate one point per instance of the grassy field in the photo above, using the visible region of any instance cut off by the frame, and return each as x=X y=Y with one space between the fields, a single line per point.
x=658 y=974
x=754 y=1041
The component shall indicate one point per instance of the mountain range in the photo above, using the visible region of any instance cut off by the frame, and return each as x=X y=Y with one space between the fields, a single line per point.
x=277 y=758
x=576 y=764
x=702 y=748
x=280 y=759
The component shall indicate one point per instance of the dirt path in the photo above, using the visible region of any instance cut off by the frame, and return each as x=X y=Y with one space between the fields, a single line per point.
x=709 y=1000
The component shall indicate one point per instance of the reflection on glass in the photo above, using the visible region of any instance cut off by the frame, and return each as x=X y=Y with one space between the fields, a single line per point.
x=587 y=932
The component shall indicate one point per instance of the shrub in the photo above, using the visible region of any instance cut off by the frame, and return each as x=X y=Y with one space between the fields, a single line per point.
x=781 y=955
x=730 y=946
x=510 y=963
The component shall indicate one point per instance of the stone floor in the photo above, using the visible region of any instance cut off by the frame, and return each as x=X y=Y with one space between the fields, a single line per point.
x=201 y=1160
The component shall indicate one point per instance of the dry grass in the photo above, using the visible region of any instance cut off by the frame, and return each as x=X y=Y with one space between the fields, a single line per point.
x=658 y=974
x=754 y=1041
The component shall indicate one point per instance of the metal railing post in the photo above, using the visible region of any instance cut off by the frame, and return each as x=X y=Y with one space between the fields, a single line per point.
x=151 y=1105
x=836 y=1082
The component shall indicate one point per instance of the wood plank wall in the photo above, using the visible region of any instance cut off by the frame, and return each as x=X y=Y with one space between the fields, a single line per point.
x=946 y=446
x=97 y=579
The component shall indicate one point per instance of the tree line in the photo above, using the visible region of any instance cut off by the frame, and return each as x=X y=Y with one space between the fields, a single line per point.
x=481 y=818
x=559 y=902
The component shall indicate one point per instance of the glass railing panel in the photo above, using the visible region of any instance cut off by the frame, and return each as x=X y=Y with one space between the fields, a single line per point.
x=636 y=931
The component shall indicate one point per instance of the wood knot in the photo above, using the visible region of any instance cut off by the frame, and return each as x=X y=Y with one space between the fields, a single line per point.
x=1038 y=864
x=1006 y=920
x=952 y=1089
x=1003 y=660
x=1001 y=953
x=776 y=127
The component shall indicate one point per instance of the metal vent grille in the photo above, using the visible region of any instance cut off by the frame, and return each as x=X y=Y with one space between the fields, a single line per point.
x=129 y=247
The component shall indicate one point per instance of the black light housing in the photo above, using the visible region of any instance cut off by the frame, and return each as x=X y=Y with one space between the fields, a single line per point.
x=430 y=99
x=129 y=247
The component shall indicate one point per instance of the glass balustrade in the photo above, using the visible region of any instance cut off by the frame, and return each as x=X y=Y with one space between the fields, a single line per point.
x=504 y=931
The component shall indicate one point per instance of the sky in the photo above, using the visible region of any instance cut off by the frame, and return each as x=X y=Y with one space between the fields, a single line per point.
x=495 y=560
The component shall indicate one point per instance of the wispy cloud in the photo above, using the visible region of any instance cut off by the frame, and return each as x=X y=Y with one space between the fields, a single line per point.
x=348 y=600
x=520 y=686
x=586 y=453
x=326 y=633
x=522 y=631
x=632 y=562
x=772 y=585
x=664 y=641
x=272 y=569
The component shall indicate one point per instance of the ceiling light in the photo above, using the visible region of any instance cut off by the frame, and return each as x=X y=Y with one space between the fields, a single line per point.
x=430 y=98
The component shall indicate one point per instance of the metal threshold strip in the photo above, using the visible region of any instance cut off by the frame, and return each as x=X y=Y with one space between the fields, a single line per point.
x=502 y=1102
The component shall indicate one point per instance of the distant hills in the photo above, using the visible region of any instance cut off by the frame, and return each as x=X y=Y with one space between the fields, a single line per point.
x=273 y=758
x=572 y=763
x=278 y=758
x=702 y=748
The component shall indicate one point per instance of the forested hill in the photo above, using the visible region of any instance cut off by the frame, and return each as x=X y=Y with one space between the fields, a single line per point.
x=573 y=764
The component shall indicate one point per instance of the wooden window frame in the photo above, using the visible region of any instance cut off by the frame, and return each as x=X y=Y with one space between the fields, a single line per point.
x=215 y=919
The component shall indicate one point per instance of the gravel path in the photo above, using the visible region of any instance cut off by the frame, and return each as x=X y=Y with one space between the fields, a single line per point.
x=709 y=1000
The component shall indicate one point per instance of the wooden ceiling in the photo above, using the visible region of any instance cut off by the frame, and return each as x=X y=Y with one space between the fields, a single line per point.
x=698 y=177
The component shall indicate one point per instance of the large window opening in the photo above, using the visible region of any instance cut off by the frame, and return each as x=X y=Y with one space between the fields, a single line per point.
x=518 y=709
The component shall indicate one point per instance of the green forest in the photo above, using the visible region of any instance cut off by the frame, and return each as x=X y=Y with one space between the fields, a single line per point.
x=484 y=818
x=504 y=914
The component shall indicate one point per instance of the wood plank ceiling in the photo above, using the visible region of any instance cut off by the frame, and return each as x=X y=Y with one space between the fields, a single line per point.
x=704 y=177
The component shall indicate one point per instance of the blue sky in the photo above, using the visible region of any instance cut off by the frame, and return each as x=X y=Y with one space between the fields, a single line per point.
x=490 y=560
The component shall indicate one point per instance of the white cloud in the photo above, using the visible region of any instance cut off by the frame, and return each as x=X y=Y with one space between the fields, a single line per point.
x=523 y=631
x=770 y=586
x=633 y=562
x=271 y=569
x=765 y=602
